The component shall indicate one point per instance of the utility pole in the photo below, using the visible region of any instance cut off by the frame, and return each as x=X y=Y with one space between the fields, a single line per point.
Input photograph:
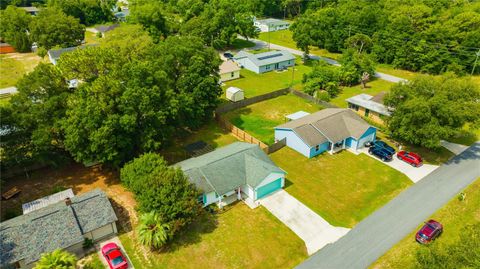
x=475 y=63
x=293 y=73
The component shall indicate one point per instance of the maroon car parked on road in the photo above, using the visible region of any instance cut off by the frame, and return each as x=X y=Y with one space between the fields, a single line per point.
x=410 y=158
x=114 y=256
x=431 y=230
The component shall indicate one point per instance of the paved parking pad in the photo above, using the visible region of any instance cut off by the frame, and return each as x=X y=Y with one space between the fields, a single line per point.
x=415 y=174
x=308 y=225
x=115 y=240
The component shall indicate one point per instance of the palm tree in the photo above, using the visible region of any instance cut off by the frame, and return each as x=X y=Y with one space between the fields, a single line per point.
x=58 y=259
x=152 y=232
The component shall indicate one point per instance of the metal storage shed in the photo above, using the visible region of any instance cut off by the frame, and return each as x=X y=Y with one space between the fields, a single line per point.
x=235 y=94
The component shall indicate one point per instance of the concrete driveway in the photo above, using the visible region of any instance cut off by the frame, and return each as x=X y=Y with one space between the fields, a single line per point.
x=308 y=225
x=415 y=174
x=115 y=240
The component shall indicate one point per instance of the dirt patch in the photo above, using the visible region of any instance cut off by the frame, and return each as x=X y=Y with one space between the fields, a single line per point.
x=81 y=179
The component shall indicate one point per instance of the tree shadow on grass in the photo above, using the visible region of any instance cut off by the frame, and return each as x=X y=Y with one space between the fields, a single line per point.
x=124 y=219
x=192 y=234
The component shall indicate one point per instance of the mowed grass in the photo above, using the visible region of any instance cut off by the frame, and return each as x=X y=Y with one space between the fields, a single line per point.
x=454 y=216
x=261 y=118
x=373 y=87
x=211 y=133
x=284 y=38
x=343 y=188
x=254 y=84
x=401 y=73
x=14 y=65
x=238 y=238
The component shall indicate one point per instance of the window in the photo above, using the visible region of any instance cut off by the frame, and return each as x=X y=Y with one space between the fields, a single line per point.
x=367 y=111
x=353 y=106
x=233 y=74
x=216 y=195
x=317 y=147
x=200 y=199
x=267 y=67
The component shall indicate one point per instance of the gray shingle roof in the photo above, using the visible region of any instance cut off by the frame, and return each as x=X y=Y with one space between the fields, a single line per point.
x=265 y=58
x=373 y=103
x=47 y=200
x=229 y=167
x=334 y=124
x=56 y=53
x=52 y=227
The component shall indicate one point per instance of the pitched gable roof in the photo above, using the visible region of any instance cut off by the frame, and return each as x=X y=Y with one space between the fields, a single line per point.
x=333 y=124
x=54 y=226
x=229 y=167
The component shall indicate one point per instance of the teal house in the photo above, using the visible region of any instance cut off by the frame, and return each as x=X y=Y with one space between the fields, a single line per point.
x=239 y=171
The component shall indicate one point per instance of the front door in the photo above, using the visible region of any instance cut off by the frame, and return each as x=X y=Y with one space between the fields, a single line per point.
x=276 y=66
x=367 y=111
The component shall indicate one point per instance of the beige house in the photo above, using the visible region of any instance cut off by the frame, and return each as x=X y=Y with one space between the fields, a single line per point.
x=371 y=107
x=229 y=70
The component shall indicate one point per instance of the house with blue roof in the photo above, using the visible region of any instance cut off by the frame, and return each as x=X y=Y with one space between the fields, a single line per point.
x=266 y=61
x=328 y=130
x=239 y=171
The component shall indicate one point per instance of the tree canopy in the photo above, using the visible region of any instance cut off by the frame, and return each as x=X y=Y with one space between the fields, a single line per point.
x=163 y=190
x=51 y=27
x=426 y=36
x=89 y=12
x=15 y=26
x=428 y=109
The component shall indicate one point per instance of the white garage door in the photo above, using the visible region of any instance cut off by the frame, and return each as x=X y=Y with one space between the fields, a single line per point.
x=102 y=232
x=362 y=141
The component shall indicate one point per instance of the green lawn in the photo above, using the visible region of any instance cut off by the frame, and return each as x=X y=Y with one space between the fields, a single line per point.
x=238 y=238
x=343 y=188
x=454 y=216
x=242 y=44
x=211 y=133
x=373 y=87
x=91 y=38
x=14 y=65
x=254 y=84
x=260 y=119
x=467 y=136
x=284 y=38
x=388 y=69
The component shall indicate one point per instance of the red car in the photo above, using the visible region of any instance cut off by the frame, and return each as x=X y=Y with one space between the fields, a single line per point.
x=431 y=230
x=410 y=158
x=114 y=256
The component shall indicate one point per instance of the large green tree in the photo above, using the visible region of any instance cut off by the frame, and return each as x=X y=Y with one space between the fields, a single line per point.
x=33 y=118
x=15 y=26
x=58 y=259
x=150 y=15
x=428 y=109
x=162 y=189
x=89 y=12
x=51 y=27
x=356 y=67
x=323 y=78
x=127 y=106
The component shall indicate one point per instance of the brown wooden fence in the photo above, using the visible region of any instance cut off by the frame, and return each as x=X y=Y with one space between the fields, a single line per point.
x=249 y=101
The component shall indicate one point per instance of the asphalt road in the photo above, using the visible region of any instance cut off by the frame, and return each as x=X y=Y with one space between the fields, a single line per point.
x=262 y=44
x=380 y=231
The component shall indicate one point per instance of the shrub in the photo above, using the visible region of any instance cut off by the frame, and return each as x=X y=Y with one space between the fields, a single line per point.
x=58 y=259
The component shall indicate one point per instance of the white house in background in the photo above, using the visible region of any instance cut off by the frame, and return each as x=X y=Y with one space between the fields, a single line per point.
x=229 y=70
x=234 y=94
x=271 y=25
x=266 y=61
x=239 y=171
x=6 y=92
x=371 y=107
